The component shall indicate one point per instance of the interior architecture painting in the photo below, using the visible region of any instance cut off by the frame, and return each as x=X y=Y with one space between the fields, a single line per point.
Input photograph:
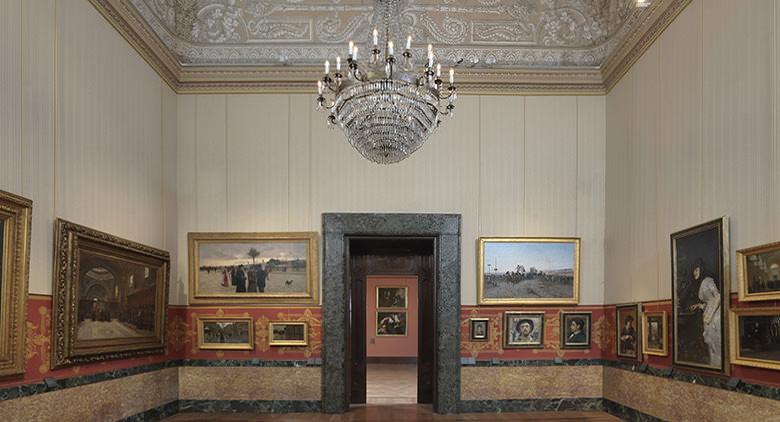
x=654 y=333
x=758 y=272
x=523 y=271
x=699 y=295
x=288 y=333
x=755 y=337
x=253 y=267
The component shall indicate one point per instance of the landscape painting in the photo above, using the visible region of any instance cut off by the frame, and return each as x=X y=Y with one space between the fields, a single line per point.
x=524 y=271
x=231 y=333
x=756 y=337
x=759 y=272
x=253 y=267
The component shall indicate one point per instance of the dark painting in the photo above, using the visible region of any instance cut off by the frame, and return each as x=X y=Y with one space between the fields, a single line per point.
x=763 y=272
x=2 y=253
x=759 y=337
x=655 y=332
x=627 y=331
x=575 y=330
x=698 y=295
x=390 y=323
x=289 y=332
x=391 y=297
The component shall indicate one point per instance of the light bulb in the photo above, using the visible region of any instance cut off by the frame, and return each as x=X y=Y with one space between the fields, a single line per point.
x=438 y=70
x=376 y=37
x=319 y=87
x=351 y=47
x=452 y=76
x=390 y=48
x=338 y=63
x=408 y=42
x=327 y=67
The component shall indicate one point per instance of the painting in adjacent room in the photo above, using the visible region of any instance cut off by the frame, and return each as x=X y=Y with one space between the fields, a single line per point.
x=758 y=271
x=522 y=271
x=699 y=300
x=391 y=297
x=253 y=267
x=391 y=323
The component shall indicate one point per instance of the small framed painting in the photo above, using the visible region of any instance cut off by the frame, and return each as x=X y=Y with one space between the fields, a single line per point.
x=479 y=329
x=575 y=330
x=654 y=337
x=628 y=332
x=391 y=323
x=758 y=271
x=225 y=333
x=287 y=333
x=755 y=337
x=528 y=271
x=391 y=297
x=523 y=330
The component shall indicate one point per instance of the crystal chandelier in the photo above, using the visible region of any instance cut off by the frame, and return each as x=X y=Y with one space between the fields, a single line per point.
x=386 y=108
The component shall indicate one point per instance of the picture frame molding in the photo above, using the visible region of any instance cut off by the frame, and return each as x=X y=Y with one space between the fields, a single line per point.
x=482 y=300
x=589 y=317
x=65 y=351
x=274 y=343
x=311 y=297
x=505 y=339
x=16 y=218
x=742 y=279
x=471 y=329
x=406 y=297
x=734 y=315
x=646 y=333
x=637 y=308
x=202 y=345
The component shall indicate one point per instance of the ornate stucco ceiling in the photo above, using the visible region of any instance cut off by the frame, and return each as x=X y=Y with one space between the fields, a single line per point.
x=497 y=45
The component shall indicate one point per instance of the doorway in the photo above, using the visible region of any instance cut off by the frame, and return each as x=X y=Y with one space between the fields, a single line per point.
x=392 y=281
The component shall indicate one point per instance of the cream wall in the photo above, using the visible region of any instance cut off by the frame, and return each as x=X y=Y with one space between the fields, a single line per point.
x=87 y=129
x=511 y=165
x=692 y=136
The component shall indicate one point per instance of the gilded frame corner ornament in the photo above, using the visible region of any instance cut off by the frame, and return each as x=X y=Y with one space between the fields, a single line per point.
x=16 y=221
x=309 y=297
x=742 y=273
x=202 y=345
x=69 y=239
x=482 y=300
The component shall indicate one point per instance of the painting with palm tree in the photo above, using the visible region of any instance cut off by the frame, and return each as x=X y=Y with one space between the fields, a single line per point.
x=273 y=267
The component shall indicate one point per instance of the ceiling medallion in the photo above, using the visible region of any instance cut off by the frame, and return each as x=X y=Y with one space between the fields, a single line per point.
x=386 y=108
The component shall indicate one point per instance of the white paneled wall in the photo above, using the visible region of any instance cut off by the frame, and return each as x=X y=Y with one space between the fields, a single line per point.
x=690 y=138
x=87 y=130
x=510 y=165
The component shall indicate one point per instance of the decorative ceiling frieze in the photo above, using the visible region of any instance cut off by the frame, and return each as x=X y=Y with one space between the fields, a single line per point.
x=497 y=46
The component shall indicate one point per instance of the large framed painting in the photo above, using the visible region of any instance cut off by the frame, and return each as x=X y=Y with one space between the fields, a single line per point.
x=755 y=337
x=528 y=271
x=523 y=330
x=110 y=296
x=575 y=330
x=700 y=293
x=15 y=225
x=628 y=331
x=260 y=268
x=225 y=333
x=654 y=337
x=758 y=272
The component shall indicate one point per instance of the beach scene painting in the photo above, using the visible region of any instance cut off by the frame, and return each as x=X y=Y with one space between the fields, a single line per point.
x=273 y=267
x=528 y=271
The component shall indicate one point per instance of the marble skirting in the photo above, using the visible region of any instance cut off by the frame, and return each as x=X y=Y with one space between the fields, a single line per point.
x=111 y=400
x=531 y=382
x=250 y=406
x=217 y=383
x=530 y=405
x=673 y=400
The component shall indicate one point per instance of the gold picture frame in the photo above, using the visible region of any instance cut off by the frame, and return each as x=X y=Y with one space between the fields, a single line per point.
x=772 y=272
x=263 y=245
x=663 y=336
x=494 y=279
x=15 y=232
x=225 y=344
x=628 y=331
x=106 y=284
x=275 y=336
x=392 y=323
x=379 y=303
x=738 y=353
x=474 y=335
x=513 y=339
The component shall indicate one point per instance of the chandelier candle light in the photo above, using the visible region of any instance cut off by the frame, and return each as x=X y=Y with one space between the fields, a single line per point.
x=386 y=108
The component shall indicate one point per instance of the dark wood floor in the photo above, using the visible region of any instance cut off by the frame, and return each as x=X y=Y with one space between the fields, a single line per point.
x=404 y=412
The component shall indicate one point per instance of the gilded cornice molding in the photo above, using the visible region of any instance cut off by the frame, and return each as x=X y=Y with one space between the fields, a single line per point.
x=557 y=80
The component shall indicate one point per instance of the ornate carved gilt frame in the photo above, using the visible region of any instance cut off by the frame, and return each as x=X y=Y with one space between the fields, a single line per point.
x=69 y=239
x=16 y=219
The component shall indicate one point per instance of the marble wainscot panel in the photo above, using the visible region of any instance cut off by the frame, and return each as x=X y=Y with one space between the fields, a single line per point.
x=531 y=382
x=673 y=400
x=105 y=401
x=249 y=383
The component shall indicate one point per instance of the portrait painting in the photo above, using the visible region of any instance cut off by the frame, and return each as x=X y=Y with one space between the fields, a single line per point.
x=758 y=272
x=699 y=299
x=261 y=268
x=575 y=330
x=392 y=297
x=755 y=334
x=628 y=332
x=225 y=333
x=526 y=271
x=479 y=329
x=523 y=330
x=113 y=303
x=391 y=323
x=15 y=231
x=288 y=333
x=654 y=338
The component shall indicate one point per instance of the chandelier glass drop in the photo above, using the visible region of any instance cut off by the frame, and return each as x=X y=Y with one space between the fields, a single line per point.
x=385 y=106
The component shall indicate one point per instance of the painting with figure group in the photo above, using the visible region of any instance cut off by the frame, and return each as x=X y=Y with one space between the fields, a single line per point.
x=256 y=267
x=528 y=271
x=758 y=271
x=227 y=333
x=699 y=298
